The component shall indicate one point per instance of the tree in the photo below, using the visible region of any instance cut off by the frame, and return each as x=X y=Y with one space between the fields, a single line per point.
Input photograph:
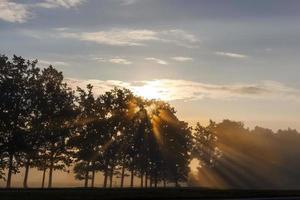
x=205 y=145
x=57 y=115
x=81 y=170
x=178 y=142
x=118 y=106
x=32 y=136
x=90 y=130
x=140 y=141
x=15 y=106
x=164 y=143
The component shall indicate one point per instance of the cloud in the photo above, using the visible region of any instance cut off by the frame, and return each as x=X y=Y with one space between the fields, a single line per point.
x=13 y=12
x=120 y=61
x=115 y=60
x=46 y=63
x=180 y=38
x=182 y=59
x=58 y=3
x=172 y=89
x=231 y=55
x=134 y=37
x=158 y=61
x=116 y=37
x=21 y=12
x=99 y=59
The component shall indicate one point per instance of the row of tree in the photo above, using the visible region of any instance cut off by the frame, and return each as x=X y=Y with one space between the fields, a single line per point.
x=46 y=125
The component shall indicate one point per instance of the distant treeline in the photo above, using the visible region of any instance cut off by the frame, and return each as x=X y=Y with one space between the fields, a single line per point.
x=253 y=159
x=46 y=125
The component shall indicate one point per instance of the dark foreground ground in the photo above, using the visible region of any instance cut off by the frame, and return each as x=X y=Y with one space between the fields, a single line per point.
x=137 y=193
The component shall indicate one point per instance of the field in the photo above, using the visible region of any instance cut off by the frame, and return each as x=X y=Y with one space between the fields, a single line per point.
x=136 y=193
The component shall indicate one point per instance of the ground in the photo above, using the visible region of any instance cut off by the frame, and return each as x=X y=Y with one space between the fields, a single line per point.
x=137 y=193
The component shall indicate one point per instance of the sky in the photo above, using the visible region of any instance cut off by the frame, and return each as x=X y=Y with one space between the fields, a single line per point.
x=211 y=59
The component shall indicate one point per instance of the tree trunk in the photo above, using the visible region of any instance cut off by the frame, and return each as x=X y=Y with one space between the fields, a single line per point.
x=176 y=181
x=10 y=166
x=93 y=174
x=132 y=178
x=155 y=178
x=27 y=166
x=111 y=176
x=44 y=176
x=105 y=177
x=146 y=180
x=122 y=176
x=51 y=171
x=142 y=179
x=86 y=178
x=164 y=178
x=151 y=182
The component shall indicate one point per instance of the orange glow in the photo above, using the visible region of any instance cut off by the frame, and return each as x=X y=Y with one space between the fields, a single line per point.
x=156 y=128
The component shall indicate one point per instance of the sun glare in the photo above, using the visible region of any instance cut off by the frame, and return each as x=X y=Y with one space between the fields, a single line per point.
x=149 y=92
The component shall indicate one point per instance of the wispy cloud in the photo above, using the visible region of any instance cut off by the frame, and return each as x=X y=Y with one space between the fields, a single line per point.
x=20 y=12
x=231 y=55
x=116 y=37
x=170 y=89
x=120 y=61
x=13 y=12
x=58 y=3
x=182 y=59
x=134 y=37
x=115 y=60
x=46 y=63
x=99 y=59
x=180 y=38
x=158 y=61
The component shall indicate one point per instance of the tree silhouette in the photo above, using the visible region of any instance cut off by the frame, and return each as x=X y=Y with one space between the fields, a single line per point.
x=89 y=136
x=257 y=159
x=57 y=120
x=15 y=107
x=32 y=136
x=117 y=104
x=205 y=144
x=167 y=141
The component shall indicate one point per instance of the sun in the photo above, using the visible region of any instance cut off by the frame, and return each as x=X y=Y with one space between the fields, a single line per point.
x=154 y=89
x=149 y=92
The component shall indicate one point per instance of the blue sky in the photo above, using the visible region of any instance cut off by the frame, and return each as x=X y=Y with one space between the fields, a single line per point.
x=211 y=59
